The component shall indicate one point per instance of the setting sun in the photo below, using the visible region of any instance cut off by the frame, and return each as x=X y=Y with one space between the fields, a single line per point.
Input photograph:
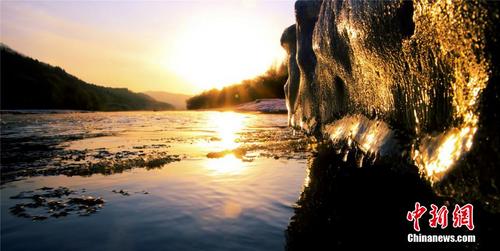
x=217 y=49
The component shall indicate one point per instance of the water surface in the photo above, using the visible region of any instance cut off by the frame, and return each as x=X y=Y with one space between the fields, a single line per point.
x=161 y=191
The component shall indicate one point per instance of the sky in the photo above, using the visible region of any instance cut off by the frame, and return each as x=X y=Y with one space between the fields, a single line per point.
x=174 y=46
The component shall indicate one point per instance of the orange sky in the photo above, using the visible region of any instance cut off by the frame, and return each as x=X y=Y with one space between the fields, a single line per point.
x=174 y=46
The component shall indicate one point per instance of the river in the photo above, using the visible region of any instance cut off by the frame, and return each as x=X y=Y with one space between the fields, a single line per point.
x=177 y=180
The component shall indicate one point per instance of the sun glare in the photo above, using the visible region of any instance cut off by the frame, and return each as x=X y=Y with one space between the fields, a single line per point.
x=227 y=126
x=219 y=49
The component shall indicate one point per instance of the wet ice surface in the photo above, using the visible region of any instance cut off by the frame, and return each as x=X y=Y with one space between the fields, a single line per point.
x=148 y=180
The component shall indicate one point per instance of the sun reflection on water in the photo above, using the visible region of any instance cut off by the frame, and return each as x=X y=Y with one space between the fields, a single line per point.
x=227 y=165
x=228 y=125
x=232 y=209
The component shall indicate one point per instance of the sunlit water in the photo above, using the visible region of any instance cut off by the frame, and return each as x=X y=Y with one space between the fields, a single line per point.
x=197 y=203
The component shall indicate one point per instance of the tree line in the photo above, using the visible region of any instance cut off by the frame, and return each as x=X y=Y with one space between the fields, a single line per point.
x=268 y=85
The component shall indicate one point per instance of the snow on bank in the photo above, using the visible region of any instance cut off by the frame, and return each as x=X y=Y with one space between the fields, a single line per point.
x=263 y=105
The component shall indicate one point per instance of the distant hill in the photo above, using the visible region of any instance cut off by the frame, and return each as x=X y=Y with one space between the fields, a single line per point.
x=266 y=86
x=27 y=83
x=175 y=99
